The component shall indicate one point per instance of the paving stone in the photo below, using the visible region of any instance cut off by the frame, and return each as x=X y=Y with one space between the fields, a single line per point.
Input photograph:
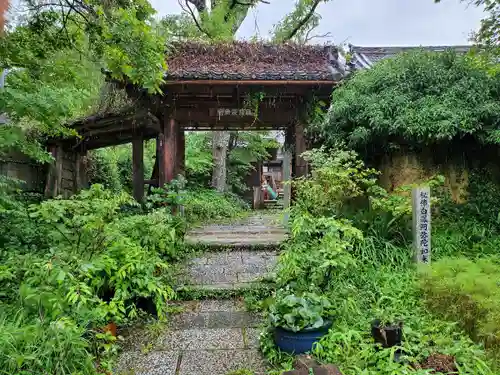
x=220 y=362
x=249 y=277
x=237 y=240
x=252 y=337
x=214 y=319
x=189 y=320
x=198 y=261
x=253 y=230
x=221 y=305
x=221 y=258
x=216 y=286
x=202 y=339
x=236 y=319
x=267 y=261
x=153 y=363
x=211 y=274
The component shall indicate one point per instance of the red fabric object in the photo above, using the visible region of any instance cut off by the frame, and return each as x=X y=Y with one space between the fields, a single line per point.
x=4 y=5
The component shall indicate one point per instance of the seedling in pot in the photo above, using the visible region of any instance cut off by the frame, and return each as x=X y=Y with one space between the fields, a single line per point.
x=388 y=335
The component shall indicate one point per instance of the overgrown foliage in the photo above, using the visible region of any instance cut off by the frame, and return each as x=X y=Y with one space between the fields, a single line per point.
x=416 y=99
x=55 y=56
x=466 y=291
x=350 y=247
x=71 y=266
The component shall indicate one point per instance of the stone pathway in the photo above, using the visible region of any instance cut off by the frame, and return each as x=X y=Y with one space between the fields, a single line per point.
x=228 y=269
x=212 y=337
x=261 y=229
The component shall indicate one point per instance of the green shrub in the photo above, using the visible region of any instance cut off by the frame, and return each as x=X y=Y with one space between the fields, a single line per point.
x=158 y=232
x=43 y=347
x=351 y=245
x=319 y=248
x=208 y=204
x=466 y=291
x=100 y=263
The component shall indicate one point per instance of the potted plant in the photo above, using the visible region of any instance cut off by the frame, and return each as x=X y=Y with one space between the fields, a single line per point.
x=388 y=335
x=299 y=321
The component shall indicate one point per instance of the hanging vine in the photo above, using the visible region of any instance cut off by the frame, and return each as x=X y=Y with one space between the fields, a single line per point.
x=252 y=101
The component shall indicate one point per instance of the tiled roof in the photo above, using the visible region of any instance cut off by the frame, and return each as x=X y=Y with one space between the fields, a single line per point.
x=249 y=61
x=365 y=57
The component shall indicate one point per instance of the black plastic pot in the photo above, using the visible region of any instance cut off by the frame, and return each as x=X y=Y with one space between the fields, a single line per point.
x=301 y=341
x=389 y=335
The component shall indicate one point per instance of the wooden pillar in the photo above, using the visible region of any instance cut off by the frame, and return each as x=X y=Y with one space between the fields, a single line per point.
x=300 y=147
x=138 y=167
x=181 y=152
x=167 y=146
x=258 y=198
x=80 y=172
x=160 y=159
x=54 y=176
x=289 y=145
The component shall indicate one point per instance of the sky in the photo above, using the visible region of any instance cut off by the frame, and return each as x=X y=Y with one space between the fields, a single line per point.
x=368 y=22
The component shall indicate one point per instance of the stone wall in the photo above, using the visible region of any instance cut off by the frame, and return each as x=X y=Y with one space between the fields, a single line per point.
x=34 y=175
x=18 y=166
x=408 y=168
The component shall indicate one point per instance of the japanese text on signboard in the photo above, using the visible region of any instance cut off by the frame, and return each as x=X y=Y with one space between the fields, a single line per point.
x=234 y=112
x=422 y=223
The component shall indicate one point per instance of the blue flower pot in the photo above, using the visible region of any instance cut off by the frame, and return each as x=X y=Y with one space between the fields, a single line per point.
x=299 y=342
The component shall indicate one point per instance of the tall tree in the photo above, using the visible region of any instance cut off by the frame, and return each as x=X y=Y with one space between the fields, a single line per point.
x=55 y=55
x=220 y=20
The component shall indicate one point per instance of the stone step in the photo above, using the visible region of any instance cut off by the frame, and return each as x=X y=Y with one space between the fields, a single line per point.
x=227 y=269
x=212 y=314
x=236 y=241
x=223 y=290
x=236 y=232
x=230 y=247
x=260 y=229
x=209 y=337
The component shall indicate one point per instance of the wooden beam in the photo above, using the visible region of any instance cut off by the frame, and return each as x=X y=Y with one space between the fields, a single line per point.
x=153 y=181
x=270 y=116
x=138 y=168
x=58 y=170
x=258 y=198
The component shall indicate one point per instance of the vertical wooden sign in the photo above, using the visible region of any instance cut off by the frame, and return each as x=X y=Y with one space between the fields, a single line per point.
x=421 y=208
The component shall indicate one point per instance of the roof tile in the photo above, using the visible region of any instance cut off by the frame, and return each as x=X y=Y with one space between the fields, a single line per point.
x=247 y=60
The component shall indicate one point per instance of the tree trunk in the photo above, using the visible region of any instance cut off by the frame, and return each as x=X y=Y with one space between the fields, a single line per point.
x=220 y=142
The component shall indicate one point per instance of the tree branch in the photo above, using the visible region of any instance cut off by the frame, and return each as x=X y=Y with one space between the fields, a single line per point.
x=309 y=38
x=303 y=21
x=193 y=16
x=199 y=4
